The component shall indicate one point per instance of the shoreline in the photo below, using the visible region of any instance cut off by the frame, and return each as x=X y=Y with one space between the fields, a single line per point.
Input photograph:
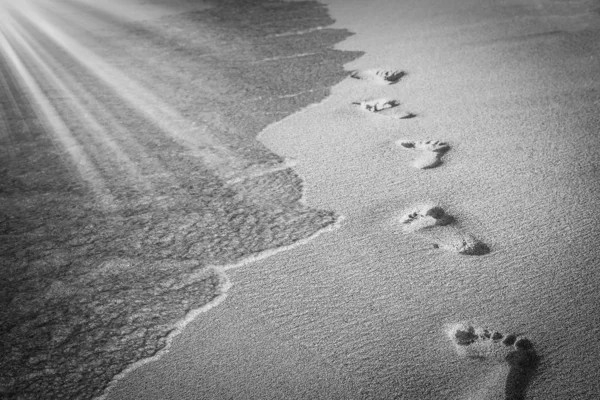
x=221 y=297
x=365 y=305
x=165 y=126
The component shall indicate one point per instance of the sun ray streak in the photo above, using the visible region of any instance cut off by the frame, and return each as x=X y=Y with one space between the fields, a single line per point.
x=57 y=126
x=14 y=105
x=152 y=169
x=97 y=132
x=196 y=138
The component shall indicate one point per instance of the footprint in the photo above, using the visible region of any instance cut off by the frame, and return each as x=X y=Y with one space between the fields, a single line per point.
x=377 y=105
x=432 y=223
x=431 y=152
x=384 y=106
x=425 y=216
x=486 y=344
x=382 y=76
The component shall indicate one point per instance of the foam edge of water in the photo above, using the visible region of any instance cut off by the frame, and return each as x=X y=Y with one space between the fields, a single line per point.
x=178 y=327
x=224 y=286
x=226 y=283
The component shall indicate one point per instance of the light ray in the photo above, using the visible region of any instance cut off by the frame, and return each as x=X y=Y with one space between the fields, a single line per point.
x=97 y=131
x=59 y=129
x=196 y=138
x=134 y=10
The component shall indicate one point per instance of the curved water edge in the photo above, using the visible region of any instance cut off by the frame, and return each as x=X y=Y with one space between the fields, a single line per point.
x=121 y=284
x=191 y=315
x=223 y=289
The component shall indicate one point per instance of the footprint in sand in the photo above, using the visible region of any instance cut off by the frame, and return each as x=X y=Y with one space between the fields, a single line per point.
x=382 y=76
x=431 y=152
x=485 y=344
x=432 y=223
x=386 y=107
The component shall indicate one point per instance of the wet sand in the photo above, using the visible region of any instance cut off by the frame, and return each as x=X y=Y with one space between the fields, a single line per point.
x=361 y=311
x=512 y=89
x=130 y=177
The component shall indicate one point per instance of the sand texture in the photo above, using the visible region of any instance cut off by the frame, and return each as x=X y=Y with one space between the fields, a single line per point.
x=496 y=176
x=130 y=177
x=513 y=89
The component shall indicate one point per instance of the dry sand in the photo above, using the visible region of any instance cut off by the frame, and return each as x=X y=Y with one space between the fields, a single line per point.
x=359 y=312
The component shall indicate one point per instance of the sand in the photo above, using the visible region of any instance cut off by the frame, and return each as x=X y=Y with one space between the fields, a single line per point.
x=359 y=312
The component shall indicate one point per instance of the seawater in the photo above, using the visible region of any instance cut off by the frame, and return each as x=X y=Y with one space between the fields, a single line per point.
x=95 y=281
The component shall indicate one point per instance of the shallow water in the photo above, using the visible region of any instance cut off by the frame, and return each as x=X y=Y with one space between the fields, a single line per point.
x=511 y=87
x=361 y=311
x=130 y=174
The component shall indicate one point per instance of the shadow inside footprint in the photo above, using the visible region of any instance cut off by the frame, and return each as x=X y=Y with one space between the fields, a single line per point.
x=465 y=337
x=386 y=76
x=460 y=242
x=377 y=105
x=523 y=366
x=432 y=223
x=479 y=249
x=392 y=76
x=386 y=107
x=431 y=152
x=408 y=115
x=480 y=343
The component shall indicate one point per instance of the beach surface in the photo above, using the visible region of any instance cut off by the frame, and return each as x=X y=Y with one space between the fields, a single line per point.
x=360 y=312
x=130 y=174
x=364 y=309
